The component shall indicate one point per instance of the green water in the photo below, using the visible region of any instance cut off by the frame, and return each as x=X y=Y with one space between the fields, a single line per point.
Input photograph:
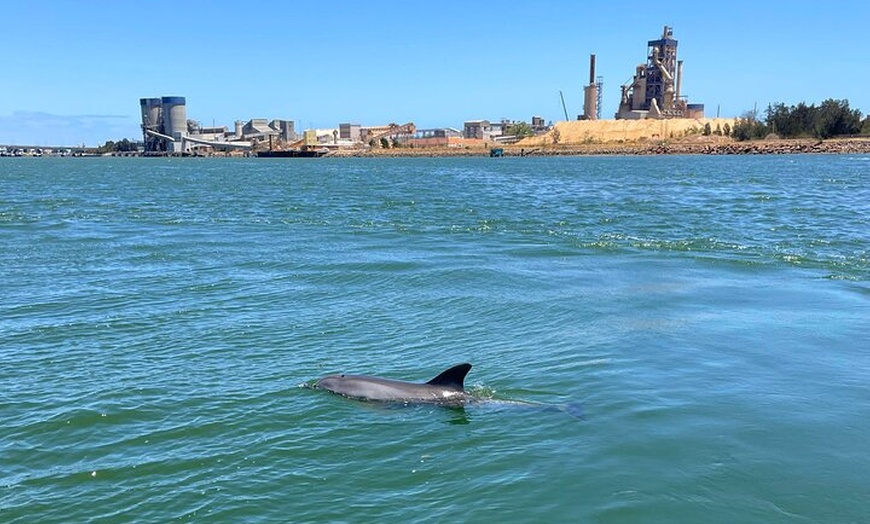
x=708 y=316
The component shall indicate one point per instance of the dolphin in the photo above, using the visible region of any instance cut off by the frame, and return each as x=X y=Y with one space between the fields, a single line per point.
x=447 y=388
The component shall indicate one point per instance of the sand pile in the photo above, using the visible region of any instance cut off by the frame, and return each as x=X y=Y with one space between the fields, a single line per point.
x=624 y=131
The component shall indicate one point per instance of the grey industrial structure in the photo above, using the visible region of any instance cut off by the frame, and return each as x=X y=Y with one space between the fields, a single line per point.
x=164 y=123
x=654 y=91
x=495 y=131
x=166 y=129
x=592 y=94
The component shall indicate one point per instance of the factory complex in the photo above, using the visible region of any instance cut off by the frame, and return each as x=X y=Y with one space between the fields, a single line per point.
x=654 y=92
x=167 y=131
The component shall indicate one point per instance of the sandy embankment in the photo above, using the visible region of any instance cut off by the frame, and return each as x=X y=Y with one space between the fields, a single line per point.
x=579 y=132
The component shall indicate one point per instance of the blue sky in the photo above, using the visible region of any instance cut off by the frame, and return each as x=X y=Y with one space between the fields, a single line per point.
x=73 y=71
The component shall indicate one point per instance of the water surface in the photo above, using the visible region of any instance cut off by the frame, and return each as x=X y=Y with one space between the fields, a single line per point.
x=709 y=314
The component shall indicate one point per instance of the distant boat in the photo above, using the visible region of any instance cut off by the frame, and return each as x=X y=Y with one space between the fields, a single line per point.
x=292 y=153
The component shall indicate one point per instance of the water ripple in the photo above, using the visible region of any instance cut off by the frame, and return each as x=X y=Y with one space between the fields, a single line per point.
x=706 y=315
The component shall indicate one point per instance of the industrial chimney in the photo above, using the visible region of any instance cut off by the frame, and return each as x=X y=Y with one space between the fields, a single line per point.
x=590 y=94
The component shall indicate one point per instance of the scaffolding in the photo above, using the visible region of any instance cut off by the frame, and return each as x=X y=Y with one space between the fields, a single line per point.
x=599 y=84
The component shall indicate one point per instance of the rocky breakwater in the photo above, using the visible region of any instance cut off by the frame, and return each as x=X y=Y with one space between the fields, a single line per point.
x=761 y=147
x=766 y=147
x=665 y=147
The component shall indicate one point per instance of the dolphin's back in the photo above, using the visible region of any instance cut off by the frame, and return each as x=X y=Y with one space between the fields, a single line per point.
x=446 y=387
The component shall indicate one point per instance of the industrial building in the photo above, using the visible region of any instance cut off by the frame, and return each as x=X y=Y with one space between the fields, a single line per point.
x=438 y=137
x=166 y=129
x=352 y=132
x=496 y=131
x=164 y=124
x=480 y=129
x=654 y=91
x=264 y=129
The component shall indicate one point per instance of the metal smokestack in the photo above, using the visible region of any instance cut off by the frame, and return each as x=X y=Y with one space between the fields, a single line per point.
x=590 y=93
x=591 y=69
x=679 y=77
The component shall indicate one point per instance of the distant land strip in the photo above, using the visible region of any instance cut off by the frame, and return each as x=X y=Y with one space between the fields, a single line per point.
x=726 y=147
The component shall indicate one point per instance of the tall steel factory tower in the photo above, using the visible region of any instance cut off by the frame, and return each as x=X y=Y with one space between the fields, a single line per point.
x=661 y=71
x=654 y=91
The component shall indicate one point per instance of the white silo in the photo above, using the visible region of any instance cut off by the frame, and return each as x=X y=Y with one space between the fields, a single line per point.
x=175 y=121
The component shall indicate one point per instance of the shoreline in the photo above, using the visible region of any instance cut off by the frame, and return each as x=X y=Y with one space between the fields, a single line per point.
x=708 y=147
x=759 y=147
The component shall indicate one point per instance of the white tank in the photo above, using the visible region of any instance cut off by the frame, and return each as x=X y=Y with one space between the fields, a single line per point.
x=175 y=119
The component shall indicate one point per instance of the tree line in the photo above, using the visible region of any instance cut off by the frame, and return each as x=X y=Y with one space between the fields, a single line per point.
x=110 y=146
x=830 y=118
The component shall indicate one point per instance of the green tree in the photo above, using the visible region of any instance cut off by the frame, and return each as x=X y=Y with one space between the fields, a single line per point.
x=802 y=119
x=742 y=129
x=707 y=130
x=520 y=130
x=832 y=117
x=835 y=118
x=778 y=119
x=748 y=127
x=790 y=122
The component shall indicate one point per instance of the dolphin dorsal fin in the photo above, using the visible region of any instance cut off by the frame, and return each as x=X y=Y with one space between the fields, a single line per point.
x=453 y=378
